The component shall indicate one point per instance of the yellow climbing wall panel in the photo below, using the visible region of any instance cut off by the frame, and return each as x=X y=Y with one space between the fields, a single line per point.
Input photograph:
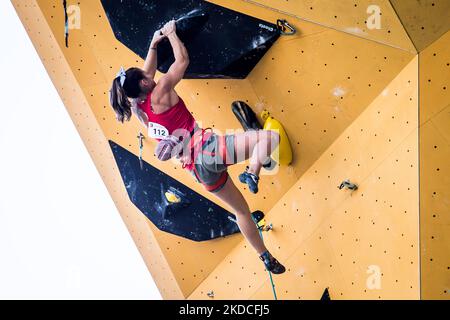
x=424 y=20
x=332 y=238
x=434 y=169
x=348 y=98
x=349 y=16
x=316 y=88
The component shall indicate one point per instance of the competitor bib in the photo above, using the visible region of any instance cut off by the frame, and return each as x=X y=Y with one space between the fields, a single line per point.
x=157 y=131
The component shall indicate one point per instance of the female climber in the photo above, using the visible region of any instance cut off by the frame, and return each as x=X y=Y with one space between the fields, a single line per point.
x=207 y=155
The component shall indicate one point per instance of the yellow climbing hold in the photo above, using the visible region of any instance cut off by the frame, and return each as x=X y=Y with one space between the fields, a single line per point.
x=172 y=198
x=283 y=153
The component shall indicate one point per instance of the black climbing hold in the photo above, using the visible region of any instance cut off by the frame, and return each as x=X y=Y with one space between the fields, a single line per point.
x=325 y=295
x=245 y=116
x=222 y=43
x=257 y=216
x=194 y=217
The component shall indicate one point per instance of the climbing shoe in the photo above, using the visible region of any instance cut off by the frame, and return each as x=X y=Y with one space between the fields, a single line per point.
x=271 y=263
x=250 y=179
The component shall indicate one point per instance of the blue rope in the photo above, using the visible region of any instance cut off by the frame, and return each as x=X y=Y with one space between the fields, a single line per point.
x=270 y=273
x=260 y=234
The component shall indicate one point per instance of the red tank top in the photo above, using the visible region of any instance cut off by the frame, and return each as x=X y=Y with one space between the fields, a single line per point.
x=176 y=117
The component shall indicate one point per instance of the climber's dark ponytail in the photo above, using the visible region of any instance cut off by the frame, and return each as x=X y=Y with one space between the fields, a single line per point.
x=119 y=93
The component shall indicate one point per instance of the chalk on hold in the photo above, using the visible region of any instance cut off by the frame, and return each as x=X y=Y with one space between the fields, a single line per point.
x=245 y=115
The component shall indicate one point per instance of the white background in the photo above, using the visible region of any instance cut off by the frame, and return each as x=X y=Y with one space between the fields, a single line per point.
x=61 y=236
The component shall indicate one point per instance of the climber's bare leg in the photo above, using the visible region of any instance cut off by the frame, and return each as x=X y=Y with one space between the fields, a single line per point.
x=256 y=145
x=233 y=197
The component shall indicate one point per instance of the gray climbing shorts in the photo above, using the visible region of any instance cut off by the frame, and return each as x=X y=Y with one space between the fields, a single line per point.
x=210 y=166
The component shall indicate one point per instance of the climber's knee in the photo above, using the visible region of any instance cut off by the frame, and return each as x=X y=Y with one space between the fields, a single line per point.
x=241 y=212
